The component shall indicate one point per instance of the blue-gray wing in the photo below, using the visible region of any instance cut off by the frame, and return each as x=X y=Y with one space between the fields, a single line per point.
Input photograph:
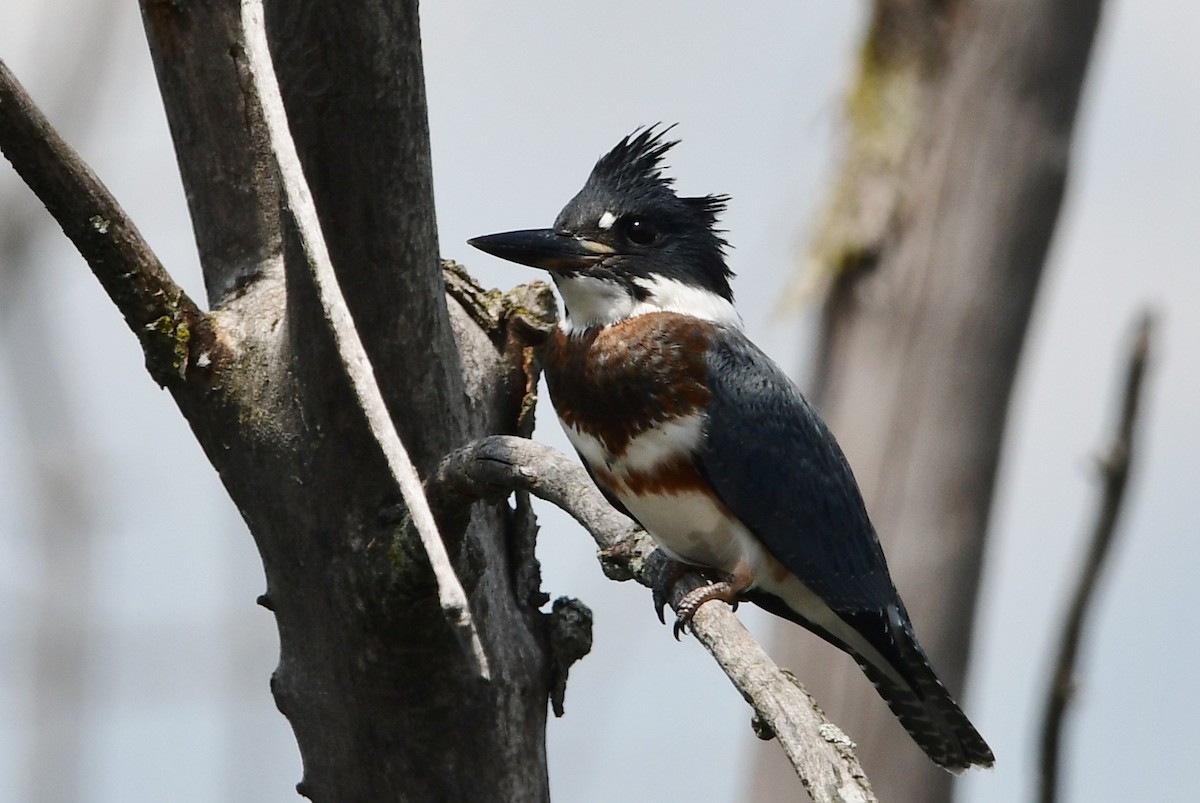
x=775 y=465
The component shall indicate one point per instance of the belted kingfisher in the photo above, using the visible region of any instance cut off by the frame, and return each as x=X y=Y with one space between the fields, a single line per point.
x=690 y=429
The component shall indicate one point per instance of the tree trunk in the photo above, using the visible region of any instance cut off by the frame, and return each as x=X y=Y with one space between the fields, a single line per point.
x=381 y=696
x=956 y=163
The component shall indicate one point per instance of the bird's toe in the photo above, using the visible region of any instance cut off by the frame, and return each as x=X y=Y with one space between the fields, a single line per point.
x=664 y=581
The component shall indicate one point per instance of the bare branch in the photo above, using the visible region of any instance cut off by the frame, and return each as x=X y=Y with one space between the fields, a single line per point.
x=493 y=467
x=220 y=144
x=1114 y=473
x=169 y=324
x=358 y=368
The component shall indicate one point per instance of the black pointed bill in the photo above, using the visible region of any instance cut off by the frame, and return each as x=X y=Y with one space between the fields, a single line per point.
x=543 y=248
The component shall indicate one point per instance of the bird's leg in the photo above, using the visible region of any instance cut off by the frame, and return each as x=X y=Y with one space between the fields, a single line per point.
x=726 y=590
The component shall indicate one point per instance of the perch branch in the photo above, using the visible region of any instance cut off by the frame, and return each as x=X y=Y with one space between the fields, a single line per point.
x=170 y=326
x=494 y=467
x=358 y=368
x=1114 y=474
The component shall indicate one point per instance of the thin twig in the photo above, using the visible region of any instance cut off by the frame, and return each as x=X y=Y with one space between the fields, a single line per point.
x=1114 y=471
x=358 y=368
x=493 y=467
x=170 y=326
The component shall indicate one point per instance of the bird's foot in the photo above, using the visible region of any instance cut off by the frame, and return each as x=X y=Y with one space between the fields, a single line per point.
x=726 y=590
x=664 y=580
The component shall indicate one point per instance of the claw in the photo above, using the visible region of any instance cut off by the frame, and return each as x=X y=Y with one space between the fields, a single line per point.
x=664 y=582
x=660 y=603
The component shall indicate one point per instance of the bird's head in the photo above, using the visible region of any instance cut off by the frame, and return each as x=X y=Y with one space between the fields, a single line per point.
x=626 y=244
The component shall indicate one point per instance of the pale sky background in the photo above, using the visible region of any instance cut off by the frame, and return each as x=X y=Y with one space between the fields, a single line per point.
x=523 y=98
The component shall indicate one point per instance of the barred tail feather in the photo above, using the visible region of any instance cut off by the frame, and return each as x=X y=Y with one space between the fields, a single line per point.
x=924 y=707
x=904 y=679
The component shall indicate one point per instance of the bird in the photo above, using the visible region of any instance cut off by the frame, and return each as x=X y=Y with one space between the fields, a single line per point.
x=689 y=428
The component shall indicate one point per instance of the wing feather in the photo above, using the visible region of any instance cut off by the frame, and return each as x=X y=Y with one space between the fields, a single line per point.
x=774 y=463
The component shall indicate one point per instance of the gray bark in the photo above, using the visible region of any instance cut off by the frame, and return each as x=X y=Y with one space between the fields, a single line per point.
x=383 y=701
x=926 y=314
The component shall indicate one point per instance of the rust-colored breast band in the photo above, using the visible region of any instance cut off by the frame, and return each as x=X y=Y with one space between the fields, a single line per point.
x=616 y=382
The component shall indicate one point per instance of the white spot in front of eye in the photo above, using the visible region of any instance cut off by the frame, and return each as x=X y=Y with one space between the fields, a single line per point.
x=607 y=220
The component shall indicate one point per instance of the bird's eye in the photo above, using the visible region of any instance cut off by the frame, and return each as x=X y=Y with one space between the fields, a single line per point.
x=641 y=231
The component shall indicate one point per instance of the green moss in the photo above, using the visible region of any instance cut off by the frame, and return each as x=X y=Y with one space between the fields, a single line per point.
x=515 y=320
x=183 y=336
x=900 y=57
x=534 y=302
x=175 y=327
x=412 y=574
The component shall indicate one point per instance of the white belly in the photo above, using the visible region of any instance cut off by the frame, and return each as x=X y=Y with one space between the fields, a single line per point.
x=689 y=526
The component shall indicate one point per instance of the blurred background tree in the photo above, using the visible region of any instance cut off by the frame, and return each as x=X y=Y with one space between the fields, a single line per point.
x=931 y=249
